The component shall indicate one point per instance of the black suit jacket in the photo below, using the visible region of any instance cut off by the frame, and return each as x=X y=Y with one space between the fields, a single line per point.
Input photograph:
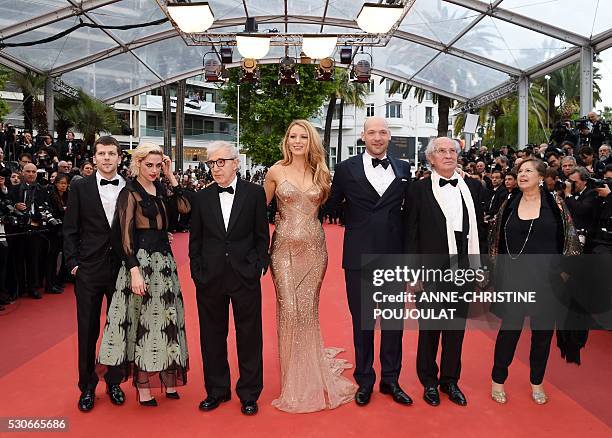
x=373 y=223
x=77 y=150
x=246 y=242
x=87 y=234
x=426 y=223
x=584 y=209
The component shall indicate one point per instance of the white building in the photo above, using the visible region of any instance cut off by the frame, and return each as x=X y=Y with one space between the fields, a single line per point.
x=411 y=123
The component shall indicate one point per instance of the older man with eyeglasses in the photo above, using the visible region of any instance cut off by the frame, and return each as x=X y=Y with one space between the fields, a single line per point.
x=228 y=251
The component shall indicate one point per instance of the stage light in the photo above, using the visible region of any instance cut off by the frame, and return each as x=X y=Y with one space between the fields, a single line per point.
x=325 y=70
x=191 y=17
x=226 y=55
x=378 y=18
x=253 y=46
x=287 y=73
x=361 y=72
x=249 y=71
x=212 y=70
x=346 y=55
x=319 y=47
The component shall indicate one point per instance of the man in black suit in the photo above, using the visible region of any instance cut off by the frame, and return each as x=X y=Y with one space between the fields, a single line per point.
x=91 y=259
x=373 y=187
x=29 y=198
x=228 y=251
x=498 y=194
x=444 y=216
x=70 y=149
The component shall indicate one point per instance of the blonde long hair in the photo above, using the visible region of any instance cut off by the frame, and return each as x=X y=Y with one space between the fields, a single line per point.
x=140 y=153
x=316 y=156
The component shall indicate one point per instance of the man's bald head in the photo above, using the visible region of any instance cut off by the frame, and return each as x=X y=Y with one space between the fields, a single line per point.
x=375 y=121
x=29 y=173
x=376 y=136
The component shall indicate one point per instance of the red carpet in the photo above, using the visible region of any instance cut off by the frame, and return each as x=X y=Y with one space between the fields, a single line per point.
x=38 y=375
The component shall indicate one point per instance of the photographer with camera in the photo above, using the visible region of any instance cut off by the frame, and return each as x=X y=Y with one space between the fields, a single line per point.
x=600 y=130
x=5 y=174
x=602 y=232
x=58 y=197
x=31 y=203
x=25 y=145
x=586 y=158
x=582 y=203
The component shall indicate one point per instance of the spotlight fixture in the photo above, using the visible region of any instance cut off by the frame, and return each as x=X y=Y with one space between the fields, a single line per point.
x=346 y=55
x=287 y=73
x=319 y=47
x=191 y=17
x=253 y=46
x=325 y=70
x=249 y=71
x=379 y=18
x=226 y=55
x=213 y=70
x=362 y=70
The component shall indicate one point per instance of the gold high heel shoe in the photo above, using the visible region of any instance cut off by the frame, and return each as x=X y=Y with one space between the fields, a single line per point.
x=499 y=395
x=539 y=396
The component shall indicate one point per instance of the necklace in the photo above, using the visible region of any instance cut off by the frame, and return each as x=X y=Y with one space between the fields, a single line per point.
x=524 y=243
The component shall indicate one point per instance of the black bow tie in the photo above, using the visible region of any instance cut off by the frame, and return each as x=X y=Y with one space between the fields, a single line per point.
x=384 y=162
x=229 y=189
x=114 y=182
x=452 y=182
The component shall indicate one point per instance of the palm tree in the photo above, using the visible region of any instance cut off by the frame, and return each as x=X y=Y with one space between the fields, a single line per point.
x=351 y=93
x=32 y=86
x=91 y=116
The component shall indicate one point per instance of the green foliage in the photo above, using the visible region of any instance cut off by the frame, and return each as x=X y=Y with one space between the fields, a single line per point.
x=90 y=116
x=264 y=117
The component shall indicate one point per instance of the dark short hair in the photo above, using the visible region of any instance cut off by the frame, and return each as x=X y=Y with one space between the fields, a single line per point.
x=498 y=171
x=567 y=143
x=85 y=163
x=25 y=155
x=586 y=150
x=538 y=164
x=608 y=168
x=551 y=173
x=582 y=173
x=106 y=140
x=512 y=173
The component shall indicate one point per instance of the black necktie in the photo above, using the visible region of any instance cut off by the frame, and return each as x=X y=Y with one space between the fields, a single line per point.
x=452 y=182
x=384 y=162
x=229 y=189
x=114 y=182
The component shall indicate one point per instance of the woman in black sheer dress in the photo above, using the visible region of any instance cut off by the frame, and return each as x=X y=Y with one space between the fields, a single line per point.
x=145 y=328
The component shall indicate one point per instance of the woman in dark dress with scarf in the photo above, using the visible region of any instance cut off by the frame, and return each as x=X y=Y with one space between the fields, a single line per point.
x=531 y=232
x=145 y=327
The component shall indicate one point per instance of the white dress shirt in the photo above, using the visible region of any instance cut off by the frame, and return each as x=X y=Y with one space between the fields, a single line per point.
x=379 y=177
x=451 y=205
x=227 y=201
x=108 y=195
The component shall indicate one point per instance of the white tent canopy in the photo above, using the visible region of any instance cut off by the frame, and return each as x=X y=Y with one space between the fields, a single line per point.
x=465 y=49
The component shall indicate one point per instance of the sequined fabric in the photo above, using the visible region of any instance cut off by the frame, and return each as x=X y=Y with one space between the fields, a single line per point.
x=310 y=374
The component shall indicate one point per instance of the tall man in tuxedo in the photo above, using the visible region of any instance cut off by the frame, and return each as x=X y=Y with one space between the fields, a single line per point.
x=228 y=251
x=91 y=259
x=373 y=185
x=444 y=216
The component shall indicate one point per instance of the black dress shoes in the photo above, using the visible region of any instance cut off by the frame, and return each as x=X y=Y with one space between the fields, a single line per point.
x=431 y=395
x=116 y=395
x=173 y=395
x=399 y=396
x=211 y=402
x=363 y=395
x=454 y=394
x=35 y=294
x=249 y=407
x=86 y=400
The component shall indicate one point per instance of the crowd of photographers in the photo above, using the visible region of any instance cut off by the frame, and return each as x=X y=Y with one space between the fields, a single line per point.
x=35 y=177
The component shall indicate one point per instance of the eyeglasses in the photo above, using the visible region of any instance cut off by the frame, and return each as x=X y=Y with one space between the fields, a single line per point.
x=452 y=151
x=219 y=162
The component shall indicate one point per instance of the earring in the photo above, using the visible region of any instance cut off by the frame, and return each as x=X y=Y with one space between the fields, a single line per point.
x=541 y=182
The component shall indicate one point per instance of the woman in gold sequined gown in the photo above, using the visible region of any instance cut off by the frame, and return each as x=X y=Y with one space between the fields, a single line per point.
x=310 y=373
